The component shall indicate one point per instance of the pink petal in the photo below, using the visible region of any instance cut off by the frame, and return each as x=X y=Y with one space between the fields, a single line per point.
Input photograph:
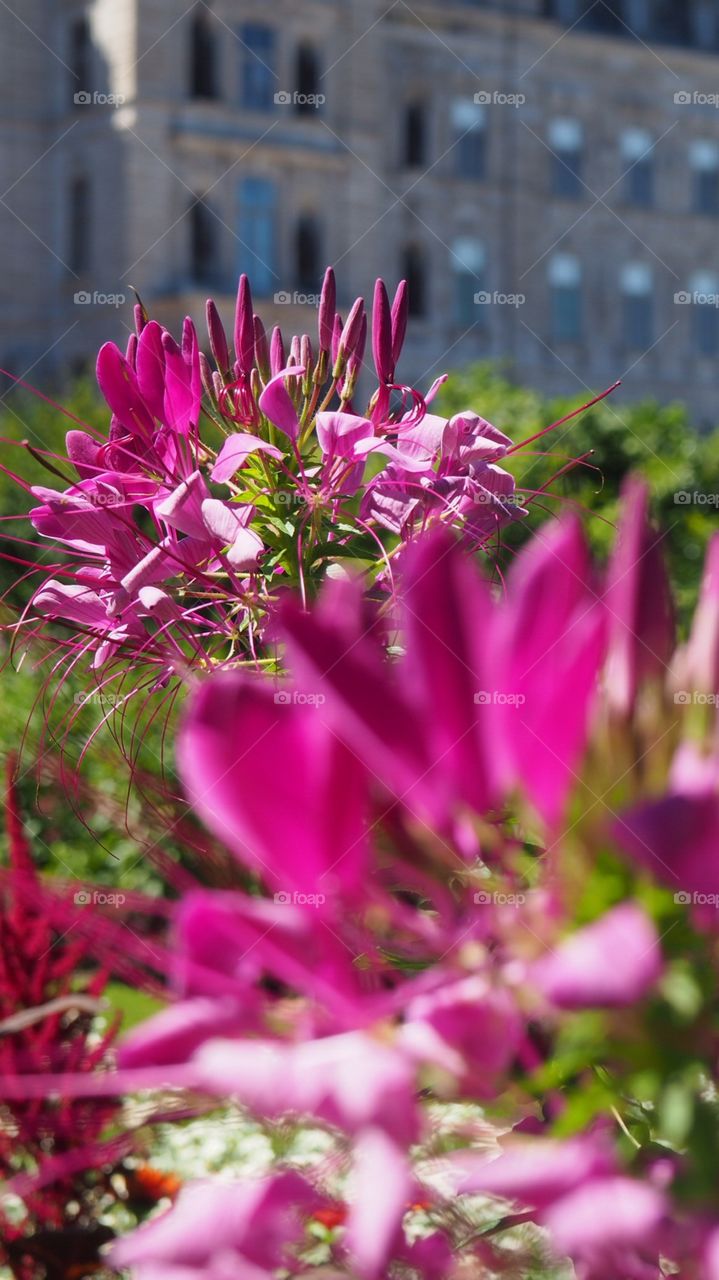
x=302 y=826
x=235 y=452
x=277 y=404
x=380 y=1188
x=610 y=964
x=608 y=1213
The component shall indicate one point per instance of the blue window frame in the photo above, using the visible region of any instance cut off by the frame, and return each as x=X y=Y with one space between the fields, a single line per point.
x=259 y=81
x=258 y=233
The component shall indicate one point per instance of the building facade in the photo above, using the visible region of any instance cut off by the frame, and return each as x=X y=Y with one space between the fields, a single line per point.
x=545 y=173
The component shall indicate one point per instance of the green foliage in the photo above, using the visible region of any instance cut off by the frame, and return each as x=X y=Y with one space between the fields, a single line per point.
x=656 y=440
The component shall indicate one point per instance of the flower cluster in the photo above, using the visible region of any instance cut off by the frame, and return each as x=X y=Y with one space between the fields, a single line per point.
x=221 y=483
x=484 y=963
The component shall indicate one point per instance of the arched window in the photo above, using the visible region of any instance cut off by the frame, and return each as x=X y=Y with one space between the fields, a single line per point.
x=565 y=285
x=637 y=286
x=203 y=68
x=415 y=135
x=307 y=253
x=203 y=265
x=468 y=262
x=80 y=52
x=79 y=252
x=414 y=272
x=308 y=80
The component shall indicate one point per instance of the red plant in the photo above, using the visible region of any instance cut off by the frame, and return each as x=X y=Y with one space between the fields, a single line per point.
x=52 y=1152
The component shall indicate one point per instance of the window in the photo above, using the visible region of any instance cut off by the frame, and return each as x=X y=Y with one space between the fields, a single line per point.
x=415 y=140
x=566 y=139
x=705 y=315
x=308 y=80
x=414 y=272
x=202 y=244
x=638 y=160
x=637 y=306
x=470 y=148
x=565 y=284
x=469 y=262
x=308 y=267
x=258 y=233
x=704 y=159
x=671 y=21
x=80 y=54
x=203 y=70
x=258 y=66
x=605 y=16
x=79 y=252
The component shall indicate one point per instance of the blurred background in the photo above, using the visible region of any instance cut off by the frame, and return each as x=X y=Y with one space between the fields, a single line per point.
x=544 y=172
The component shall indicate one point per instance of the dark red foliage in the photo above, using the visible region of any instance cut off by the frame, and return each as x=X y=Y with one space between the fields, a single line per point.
x=48 y=993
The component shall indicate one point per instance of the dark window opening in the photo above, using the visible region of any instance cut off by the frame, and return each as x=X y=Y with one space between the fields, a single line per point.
x=566 y=312
x=638 y=321
x=639 y=183
x=706 y=192
x=415 y=139
x=203 y=69
x=413 y=271
x=308 y=80
x=79 y=231
x=567 y=173
x=606 y=16
x=202 y=245
x=705 y=323
x=80 y=54
x=307 y=254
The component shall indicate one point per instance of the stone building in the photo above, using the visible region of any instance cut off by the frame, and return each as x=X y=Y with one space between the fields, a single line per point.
x=545 y=172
